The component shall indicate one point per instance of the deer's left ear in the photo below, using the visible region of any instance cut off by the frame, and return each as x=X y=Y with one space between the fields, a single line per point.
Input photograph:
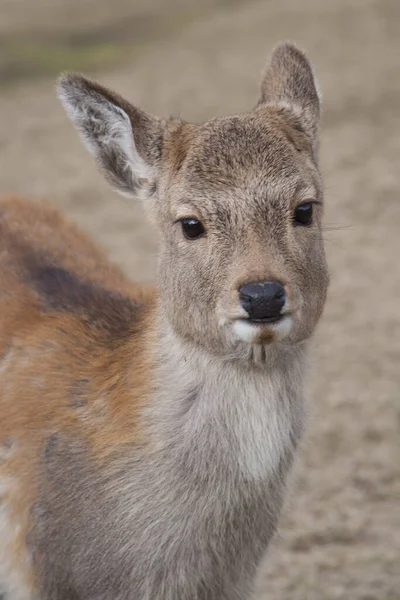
x=289 y=82
x=125 y=141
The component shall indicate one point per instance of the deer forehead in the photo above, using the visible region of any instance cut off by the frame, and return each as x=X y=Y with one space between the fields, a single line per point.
x=249 y=163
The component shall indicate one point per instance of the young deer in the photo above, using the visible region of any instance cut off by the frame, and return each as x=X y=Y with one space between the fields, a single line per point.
x=146 y=434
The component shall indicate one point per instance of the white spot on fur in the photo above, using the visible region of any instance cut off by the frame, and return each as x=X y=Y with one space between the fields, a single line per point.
x=283 y=327
x=249 y=332
x=245 y=331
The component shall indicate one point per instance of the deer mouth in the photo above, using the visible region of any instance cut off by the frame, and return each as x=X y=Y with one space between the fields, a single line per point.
x=264 y=330
x=265 y=320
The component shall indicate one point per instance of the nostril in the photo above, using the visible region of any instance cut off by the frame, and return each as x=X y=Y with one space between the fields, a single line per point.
x=263 y=300
x=245 y=295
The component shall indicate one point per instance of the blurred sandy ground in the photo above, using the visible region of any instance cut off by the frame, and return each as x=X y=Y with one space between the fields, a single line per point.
x=340 y=537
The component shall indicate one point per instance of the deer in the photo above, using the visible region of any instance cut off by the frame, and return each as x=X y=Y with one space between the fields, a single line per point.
x=147 y=432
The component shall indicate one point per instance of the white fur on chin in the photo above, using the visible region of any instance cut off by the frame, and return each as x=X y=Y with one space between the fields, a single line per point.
x=249 y=332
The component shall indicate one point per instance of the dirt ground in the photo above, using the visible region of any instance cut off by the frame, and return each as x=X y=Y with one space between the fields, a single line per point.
x=340 y=535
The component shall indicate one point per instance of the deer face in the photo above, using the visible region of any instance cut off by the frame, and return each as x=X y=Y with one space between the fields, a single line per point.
x=237 y=202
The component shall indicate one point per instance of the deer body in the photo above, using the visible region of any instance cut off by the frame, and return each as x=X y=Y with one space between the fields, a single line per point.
x=146 y=433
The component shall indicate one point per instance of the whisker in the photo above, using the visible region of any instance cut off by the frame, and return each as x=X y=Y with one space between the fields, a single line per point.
x=336 y=228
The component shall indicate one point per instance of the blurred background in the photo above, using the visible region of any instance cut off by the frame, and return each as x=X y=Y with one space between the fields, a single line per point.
x=340 y=535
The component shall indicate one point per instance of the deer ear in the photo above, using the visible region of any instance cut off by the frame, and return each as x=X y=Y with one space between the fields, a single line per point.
x=289 y=83
x=125 y=141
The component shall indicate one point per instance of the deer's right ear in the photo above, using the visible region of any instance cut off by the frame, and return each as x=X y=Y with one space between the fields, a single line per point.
x=289 y=82
x=125 y=141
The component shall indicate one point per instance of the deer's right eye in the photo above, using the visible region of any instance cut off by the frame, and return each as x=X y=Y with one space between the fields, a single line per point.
x=303 y=214
x=192 y=229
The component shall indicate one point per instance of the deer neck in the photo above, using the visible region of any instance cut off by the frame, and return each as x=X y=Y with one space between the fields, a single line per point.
x=244 y=416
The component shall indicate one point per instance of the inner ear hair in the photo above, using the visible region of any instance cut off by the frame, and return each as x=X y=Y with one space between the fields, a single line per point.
x=289 y=83
x=124 y=140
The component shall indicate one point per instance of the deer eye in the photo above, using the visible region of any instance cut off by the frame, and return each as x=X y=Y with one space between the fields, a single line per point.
x=192 y=229
x=303 y=214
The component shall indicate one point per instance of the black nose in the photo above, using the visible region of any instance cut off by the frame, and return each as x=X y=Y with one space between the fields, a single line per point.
x=263 y=301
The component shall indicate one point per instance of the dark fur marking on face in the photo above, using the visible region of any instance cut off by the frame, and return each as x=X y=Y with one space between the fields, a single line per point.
x=265 y=337
x=60 y=290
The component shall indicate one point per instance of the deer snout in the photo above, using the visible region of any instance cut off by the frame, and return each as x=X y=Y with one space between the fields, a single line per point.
x=263 y=301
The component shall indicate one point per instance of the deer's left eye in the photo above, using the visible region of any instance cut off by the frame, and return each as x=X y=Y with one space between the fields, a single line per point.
x=192 y=229
x=303 y=214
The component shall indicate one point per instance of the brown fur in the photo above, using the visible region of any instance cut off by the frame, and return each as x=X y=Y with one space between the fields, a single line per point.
x=49 y=386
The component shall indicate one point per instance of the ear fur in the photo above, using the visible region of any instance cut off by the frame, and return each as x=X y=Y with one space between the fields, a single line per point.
x=124 y=140
x=289 y=83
